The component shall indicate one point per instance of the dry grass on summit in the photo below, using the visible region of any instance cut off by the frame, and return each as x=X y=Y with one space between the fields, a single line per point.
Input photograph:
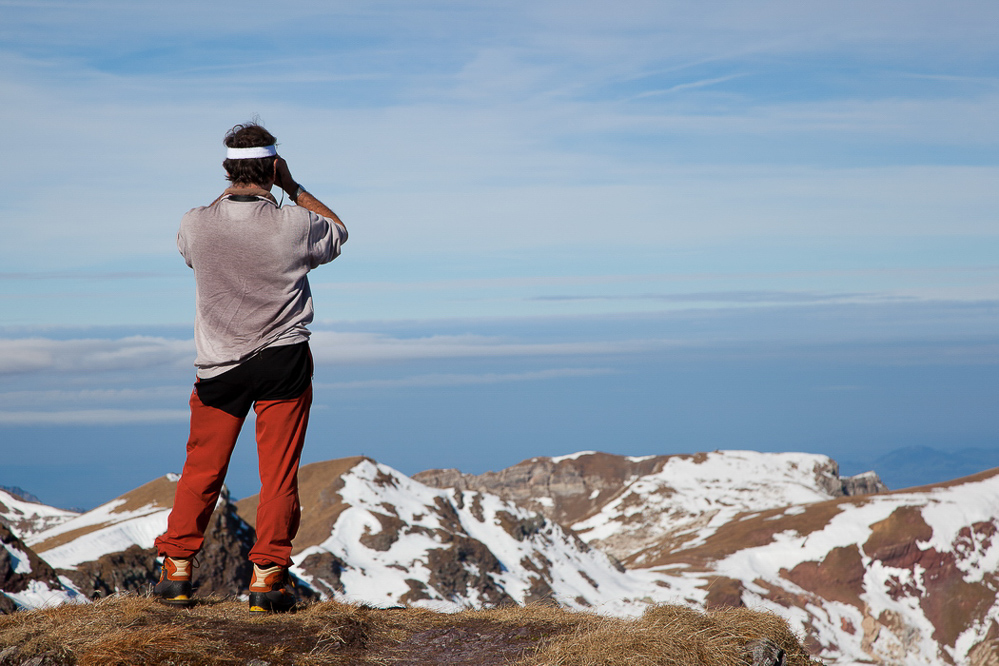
x=133 y=630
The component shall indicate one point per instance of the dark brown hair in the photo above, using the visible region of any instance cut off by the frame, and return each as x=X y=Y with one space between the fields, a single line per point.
x=255 y=171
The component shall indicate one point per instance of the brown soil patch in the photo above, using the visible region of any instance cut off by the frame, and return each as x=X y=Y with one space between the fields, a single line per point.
x=839 y=577
x=893 y=540
x=724 y=592
x=158 y=492
x=953 y=604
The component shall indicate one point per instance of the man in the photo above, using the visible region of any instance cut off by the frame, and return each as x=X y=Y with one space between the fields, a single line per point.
x=250 y=258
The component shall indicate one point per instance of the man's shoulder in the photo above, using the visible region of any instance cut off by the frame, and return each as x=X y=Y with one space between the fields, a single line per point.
x=197 y=210
x=301 y=215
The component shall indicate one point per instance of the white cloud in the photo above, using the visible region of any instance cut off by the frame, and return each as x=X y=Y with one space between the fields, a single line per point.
x=84 y=398
x=92 y=355
x=438 y=380
x=92 y=417
x=331 y=347
x=139 y=353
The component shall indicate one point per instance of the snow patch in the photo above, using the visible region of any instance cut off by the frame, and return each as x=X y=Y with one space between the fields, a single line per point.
x=26 y=518
x=22 y=565
x=39 y=595
x=111 y=532
x=572 y=456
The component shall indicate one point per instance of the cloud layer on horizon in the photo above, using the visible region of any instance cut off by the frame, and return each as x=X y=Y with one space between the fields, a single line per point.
x=90 y=380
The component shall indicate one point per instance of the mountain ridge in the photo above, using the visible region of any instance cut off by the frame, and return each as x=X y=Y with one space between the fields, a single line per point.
x=600 y=495
x=906 y=576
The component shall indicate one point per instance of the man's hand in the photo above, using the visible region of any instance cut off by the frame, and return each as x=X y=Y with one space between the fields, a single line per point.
x=282 y=176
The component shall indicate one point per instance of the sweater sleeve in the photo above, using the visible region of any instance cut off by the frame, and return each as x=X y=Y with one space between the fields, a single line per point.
x=182 y=242
x=325 y=239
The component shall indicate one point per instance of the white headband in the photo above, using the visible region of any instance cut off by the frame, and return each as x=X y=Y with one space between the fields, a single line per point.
x=250 y=153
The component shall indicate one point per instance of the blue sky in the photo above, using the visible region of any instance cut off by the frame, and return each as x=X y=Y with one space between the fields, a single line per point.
x=650 y=227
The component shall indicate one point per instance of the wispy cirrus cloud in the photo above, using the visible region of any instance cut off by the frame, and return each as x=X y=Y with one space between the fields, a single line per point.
x=735 y=297
x=703 y=83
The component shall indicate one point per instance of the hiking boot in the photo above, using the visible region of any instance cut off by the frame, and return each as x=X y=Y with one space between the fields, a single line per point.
x=271 y=590
x=174 y=588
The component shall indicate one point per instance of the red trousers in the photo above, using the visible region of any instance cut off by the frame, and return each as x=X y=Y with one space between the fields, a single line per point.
x=281 y=426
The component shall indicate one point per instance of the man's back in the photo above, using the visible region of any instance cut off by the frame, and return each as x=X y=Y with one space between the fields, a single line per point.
x=250 y=260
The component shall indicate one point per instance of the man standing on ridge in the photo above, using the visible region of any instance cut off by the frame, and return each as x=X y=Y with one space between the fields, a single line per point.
x=250 y=258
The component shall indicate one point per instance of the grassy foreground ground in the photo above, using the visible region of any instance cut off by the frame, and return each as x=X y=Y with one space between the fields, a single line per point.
x=134 y=630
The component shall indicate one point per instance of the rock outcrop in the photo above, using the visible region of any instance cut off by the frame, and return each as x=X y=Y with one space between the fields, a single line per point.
x=110 y=549
x=22 y=572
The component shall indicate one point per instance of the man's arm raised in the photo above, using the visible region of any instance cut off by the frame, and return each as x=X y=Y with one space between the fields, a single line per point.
x=284 y=180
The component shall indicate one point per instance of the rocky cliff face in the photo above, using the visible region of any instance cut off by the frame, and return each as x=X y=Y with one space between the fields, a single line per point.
x=867 y=483
x=624 y=504
x=223 y=568
x=131 y=570
x=563 y=489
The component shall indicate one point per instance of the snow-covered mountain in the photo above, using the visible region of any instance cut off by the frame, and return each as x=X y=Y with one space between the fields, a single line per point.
x=110 y=548
x=26 y=580
x=868 y=576
x=623 y=505
x=27 y=517
x=135 y=518
x=370 y=533
x=908 y=577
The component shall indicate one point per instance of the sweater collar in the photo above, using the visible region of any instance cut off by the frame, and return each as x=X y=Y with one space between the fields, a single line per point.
x=248 y=192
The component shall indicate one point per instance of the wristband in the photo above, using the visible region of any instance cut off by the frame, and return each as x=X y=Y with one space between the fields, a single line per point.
x=298 y=193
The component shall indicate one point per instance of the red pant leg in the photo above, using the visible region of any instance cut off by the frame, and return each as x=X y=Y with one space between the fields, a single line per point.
x=213 y=437
x=281 y=426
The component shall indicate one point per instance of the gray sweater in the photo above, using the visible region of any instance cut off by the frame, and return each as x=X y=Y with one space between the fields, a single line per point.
x=250 y=260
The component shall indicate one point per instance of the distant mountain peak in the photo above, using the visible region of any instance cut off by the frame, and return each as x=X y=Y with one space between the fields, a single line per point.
x=20 y=493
